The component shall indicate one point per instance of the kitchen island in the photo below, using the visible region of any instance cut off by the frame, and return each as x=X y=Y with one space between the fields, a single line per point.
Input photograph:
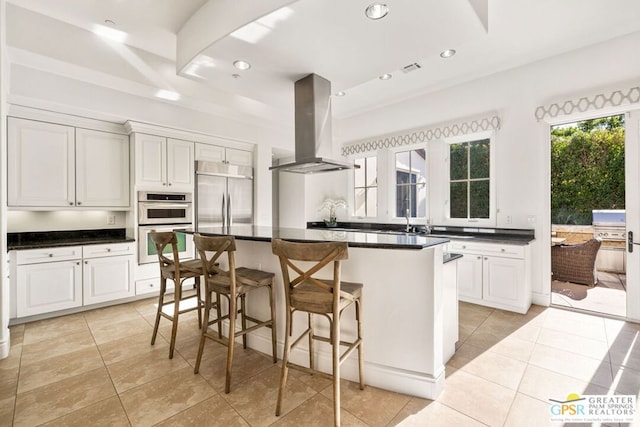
x=404 y=294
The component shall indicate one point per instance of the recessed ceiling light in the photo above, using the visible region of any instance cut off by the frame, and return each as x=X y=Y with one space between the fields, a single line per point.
x=241 y=65
x=376 y=11
x=447 y=53
x=168 y=94
x=386 y=76
x=341 y=93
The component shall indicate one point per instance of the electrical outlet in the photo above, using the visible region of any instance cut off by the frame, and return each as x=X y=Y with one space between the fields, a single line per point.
x=111 y=220
x=531 y=219
x=508 y=219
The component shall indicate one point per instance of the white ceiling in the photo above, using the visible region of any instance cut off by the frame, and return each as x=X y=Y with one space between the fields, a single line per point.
x=334 y=39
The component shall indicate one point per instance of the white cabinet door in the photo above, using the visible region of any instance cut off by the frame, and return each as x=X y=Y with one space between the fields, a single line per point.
x=102 y=169
x=209 y=153
x=41 y=169
x=239 y=157
x=469 y=272
x=503 y=280
x=180 y=165
x=151 y=160
x=108 y=278
x=216 y=153
x=47 y=287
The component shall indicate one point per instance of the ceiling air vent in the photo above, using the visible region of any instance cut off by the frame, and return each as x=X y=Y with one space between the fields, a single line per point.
x=411 y=67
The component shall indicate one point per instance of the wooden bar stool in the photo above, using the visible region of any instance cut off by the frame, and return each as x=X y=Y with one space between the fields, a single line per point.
x=233 y=284
x=177 y=271
x=304 y=292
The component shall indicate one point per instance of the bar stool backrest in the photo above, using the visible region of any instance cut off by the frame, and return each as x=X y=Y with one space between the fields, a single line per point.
x=322 y=253
x=216 y=246
x=161 y=239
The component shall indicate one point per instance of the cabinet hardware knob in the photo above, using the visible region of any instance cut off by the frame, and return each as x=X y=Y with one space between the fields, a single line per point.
x=169 y=184
x=479 y=257
x=485 y=258
x=502 y=250
x=164 y=183
x=50 y=255
x=464 y=247
x=70 y=203
x=86 y=262
x=108 y=249
x=78 y=263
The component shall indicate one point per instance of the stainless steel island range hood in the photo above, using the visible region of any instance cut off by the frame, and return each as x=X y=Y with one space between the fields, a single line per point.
x=313 y=136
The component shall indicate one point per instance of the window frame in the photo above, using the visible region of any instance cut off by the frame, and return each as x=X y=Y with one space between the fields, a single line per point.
x=393 y=184
x=352 y=212
x=477 y=222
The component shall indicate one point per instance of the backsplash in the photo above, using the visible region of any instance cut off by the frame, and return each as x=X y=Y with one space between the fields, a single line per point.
x=28 y=221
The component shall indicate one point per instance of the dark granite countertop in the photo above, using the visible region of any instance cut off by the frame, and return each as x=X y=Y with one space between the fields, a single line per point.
x=50 y=239
x=511 y=236
x=355 y=239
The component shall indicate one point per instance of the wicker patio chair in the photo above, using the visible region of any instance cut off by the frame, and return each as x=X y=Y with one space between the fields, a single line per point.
x=576 y=262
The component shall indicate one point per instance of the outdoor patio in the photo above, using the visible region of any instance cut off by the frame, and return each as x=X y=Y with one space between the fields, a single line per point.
x=608 y=296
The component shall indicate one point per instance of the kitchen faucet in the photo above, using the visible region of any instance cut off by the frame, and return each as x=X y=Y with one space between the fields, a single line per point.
x=406 y=215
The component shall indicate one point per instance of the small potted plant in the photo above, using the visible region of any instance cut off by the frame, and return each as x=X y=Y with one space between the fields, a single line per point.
x=331 y=205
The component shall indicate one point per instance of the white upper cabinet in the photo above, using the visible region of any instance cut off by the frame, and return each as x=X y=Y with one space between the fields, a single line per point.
x=41 y=170
x=215 y=153
x=53 y=165
x=163 y=163
x=102 y=169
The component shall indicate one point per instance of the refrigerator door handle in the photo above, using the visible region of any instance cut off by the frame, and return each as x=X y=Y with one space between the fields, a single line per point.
x=229 y=216
x=224 y=211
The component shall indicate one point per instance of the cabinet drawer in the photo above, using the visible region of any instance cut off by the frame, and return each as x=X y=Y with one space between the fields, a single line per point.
x=110 y=249
x=34 y=256
x=507 y=251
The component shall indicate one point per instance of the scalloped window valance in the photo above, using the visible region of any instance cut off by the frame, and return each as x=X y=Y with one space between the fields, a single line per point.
x=584 y=104
x=469 y=126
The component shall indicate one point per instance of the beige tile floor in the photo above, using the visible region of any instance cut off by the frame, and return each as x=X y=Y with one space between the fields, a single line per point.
x=97 y=368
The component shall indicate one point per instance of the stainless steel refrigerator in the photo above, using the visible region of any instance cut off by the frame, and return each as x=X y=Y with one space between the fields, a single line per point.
x=224 y=194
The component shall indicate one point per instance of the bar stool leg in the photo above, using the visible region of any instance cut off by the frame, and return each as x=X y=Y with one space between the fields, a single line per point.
x=311 y=342
x=219 y=313
x=199 y=302
x=176 y=313
x=285 y=360
x=205 y=326
x=274 y=340
x=335 y=350
x=163 y=288
x=233 y=312
x=360 y=346
x=243 y=308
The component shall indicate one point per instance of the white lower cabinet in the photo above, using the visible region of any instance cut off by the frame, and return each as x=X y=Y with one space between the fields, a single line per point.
x=53 y=279
x=48 y=280
x=495 y=275
x=107 y=272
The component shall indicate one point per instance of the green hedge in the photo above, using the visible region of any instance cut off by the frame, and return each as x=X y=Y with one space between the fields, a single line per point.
x=587 y=169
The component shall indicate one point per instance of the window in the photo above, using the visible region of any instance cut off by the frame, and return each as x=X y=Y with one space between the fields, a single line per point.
x=411 y=183
x=469 y=180
x=366 y=187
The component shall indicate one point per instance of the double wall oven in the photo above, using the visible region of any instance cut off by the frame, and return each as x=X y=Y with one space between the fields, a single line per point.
x=164 y=211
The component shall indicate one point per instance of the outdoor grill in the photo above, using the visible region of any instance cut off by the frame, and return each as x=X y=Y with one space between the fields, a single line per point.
x=610 y=226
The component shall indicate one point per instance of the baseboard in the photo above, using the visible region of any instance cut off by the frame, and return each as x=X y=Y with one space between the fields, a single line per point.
x=5 y=345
